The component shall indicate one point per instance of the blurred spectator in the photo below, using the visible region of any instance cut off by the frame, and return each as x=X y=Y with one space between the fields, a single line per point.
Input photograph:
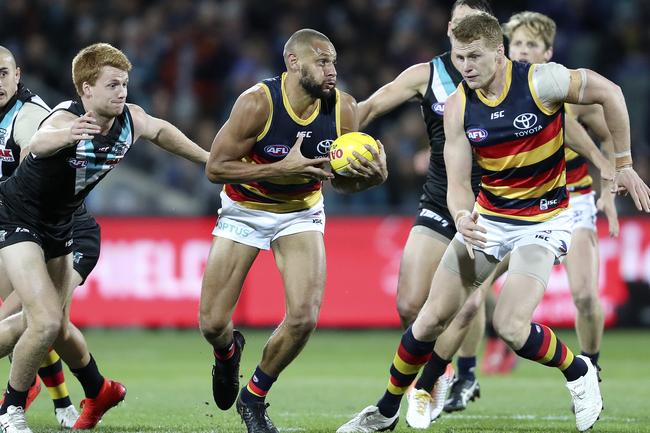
x=191 y=58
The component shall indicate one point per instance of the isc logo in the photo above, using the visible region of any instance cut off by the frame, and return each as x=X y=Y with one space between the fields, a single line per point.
x=547 y=204
x=276 y=149
x=477 y=134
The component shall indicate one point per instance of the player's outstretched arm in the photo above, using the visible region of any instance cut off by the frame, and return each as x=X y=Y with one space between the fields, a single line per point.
x=164 y=134
x=62 y=129
x=578 y=140
x=594 y=120
x=410 y=83
x=458 y=161
x=237 y=137
x=366 y=173
x=588 y=87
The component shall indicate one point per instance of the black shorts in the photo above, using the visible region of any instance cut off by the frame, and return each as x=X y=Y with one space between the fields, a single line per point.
x=85 y=245
x=437 y=218
x=54 y=240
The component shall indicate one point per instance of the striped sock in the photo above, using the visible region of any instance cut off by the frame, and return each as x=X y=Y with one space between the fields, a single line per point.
x=544 y=347
x=257 y=387
x=51 y=372
x=225 y=353
x=432 y=370
x=410 y=357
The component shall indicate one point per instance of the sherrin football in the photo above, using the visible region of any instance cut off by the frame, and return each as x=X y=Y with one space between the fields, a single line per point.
x=342 y=148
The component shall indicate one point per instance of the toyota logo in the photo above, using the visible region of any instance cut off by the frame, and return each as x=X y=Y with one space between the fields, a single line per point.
x=525 y=121
x=324 y=147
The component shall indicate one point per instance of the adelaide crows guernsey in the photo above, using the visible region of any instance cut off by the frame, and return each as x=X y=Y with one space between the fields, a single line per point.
x=282 y=128
x=578 y=179
x=444 y=78
x=9 y=149
x=519 y=144
x=47 y=190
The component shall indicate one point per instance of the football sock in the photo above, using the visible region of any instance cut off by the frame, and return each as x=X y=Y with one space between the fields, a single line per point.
x=90 y=378
x=225 y=353
x=466 y=367
x=593 y=356
x=432 y=370
x=51 y=372
x=411 y=355
x=13 y=398
x=257 y=387
x=544 y=347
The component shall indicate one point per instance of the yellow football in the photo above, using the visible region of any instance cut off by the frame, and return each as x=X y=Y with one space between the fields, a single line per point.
x=342 y=148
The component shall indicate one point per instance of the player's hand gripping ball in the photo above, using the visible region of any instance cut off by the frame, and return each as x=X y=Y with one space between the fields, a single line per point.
x=342 y=148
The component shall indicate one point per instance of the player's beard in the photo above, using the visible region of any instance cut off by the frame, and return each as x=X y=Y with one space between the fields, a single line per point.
x=311 y=86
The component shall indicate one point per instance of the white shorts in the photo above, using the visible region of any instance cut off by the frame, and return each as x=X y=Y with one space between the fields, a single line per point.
x=503 y=238
x=259 y=228
x=583 y=211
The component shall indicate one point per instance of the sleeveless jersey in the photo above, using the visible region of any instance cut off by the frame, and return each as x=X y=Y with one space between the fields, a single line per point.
x=9 y=149
x=48 y=190
x=519 y=144
x=283 y=126
x=443 y=81
x=577 y=170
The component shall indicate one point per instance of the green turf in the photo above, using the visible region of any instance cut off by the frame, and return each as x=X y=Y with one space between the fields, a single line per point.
x=167 y=374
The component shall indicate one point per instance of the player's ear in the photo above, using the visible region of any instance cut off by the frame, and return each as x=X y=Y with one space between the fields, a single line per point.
x=292 y=62
x=548 y=54
x=86 y=88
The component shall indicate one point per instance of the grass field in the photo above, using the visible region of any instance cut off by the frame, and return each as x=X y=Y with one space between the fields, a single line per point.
x=167 y=374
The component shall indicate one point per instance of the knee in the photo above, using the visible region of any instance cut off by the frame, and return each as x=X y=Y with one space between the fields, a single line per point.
x=407 y=310
x=46 y=325
x=587 y=303
x=212 y=325
x=301 y=323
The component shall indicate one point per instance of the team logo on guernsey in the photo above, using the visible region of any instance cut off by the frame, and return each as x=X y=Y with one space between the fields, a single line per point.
x=6 y=155
x=324 y=147
x=477 y=134
x=438 y=108
x=525 y=121
x=276 y=149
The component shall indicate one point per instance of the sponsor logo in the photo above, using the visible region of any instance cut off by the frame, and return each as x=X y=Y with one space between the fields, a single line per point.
x=21 y=230
x=77 y=163
x=438 y=108
x=547 y=204
x=104 y=149
x=563 y=247
x=324 y=147
x=6 y=155
x=477 y=134
x=3 y=136
x=236 y=230
x=276 y=149
x=542 y=237
x=68 y=243
x=303 y=134
x=3 y=235
x=317 y=221
x=77 y=256
x=525 y=121
x=427 y=213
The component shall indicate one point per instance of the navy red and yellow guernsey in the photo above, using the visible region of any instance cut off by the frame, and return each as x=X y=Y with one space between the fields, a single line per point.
x=282 y=128
x=519 y=145
x=578 y=179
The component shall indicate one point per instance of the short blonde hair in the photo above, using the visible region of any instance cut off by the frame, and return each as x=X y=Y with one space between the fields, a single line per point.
x=538 y=24
x=88 y=62
x=477 y=26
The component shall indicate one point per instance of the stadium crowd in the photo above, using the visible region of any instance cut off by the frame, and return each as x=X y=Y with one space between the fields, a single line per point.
x=192 y=58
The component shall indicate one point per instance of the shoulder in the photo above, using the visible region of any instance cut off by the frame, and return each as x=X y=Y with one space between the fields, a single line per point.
x=32 y=112
x=59 y=118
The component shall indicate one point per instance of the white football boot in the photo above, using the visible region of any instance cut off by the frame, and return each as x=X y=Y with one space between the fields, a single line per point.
x=369 y=420
x=420 y=403
x=14 y=421
x=439 y=393
x=66 y=416
x=585 y=393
